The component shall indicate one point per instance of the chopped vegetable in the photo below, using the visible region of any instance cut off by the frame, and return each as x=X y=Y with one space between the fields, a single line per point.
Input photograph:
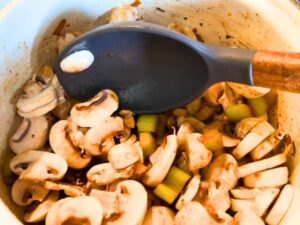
x=147 y=143
x=194 y=106
x=258 y=105
x=147 y=123
x=238 y=112
x=197 y=124
x=205 y=112
x=176 y=178
x=166 y=193
x=212 y=139
x=180 y=112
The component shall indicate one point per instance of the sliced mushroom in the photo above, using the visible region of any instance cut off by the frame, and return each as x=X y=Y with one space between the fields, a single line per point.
x=103 y=174
x=244 y=126
x=183 y=29
x=78 y=210
x=24 y=192
x=229 y=142
x=213 y=94
x=75 y=134
x=95 y=110
x=62 y=110
x=32 y=88
x=133 y=203
x=39 y=166
x=38 y=211
x=247 y=217
x=198 y=155
x=110 y=202
x=62 y=145
x=229 y=97
x=252 y=139
x=123 y=155
x=261 y=165
x=95 y=136
x=161 y=161
x=70 y=190
x=124 y=13
x=159 y=215
x=37 y=105
x=190 y=192
x=248 y=91
x=184 y=129
x=238 y=205
x=31 y=134
x=268 y=178
x=223 y=170
x=245 y=193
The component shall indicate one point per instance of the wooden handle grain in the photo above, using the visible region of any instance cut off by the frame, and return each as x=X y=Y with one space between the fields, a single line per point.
x=278 y=70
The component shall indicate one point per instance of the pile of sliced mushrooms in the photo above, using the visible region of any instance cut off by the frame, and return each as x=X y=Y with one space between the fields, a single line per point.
x=84 y=163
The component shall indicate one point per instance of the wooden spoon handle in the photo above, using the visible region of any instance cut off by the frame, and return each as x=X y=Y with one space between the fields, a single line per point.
x=278 y=70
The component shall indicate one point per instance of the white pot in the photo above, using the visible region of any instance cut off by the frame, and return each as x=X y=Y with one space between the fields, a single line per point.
x=26 y=41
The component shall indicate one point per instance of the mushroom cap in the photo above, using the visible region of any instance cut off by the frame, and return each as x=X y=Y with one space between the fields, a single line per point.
x=104 y=173
x=78 y=210
x=123 y=155
x=124 y=13
x=39 y=166
x=133 y=204
x=95 y=136
x=24 y=192
x=95 y=110
x=37 y=105
x=38 y=211
x=62 y=145
x=159 y=215
x=31 y=134
x=161 y=161
x=247 y=217
x=69 y=189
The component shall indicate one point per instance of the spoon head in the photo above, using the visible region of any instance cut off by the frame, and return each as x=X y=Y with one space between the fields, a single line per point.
x=151 y=68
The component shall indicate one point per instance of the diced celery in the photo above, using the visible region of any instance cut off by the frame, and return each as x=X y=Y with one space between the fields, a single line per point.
x=176 y=178
x=147 y=143
x=258 y=105
x=166 y=193
x=212 y=139
x=238 y=112
x=147 y=123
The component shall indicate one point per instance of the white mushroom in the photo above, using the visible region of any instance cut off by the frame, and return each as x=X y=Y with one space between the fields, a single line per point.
x=245 y=193
x=223 y=170
x=24 y=192
x=247 y=217
x=124 y=13
x=32 y=88
x=95 y=110
x=77 y=61
x=37 y=105
x=198 y=155
x=229 y=142
x=31 y=134
x=39 y=166
x=159 y=215
x=133 y=203
x=78 y=210
x=38 y=211
x=75 y=134
x=161 y=162
x=244 y=126
x=123 y=155
x=69 y=189
x=213 y=94
x=62 y=145
x=184 y=129
x=103 y=174
x=96 y=136
x=252 y=139
x=268 y=178
x=248 y=91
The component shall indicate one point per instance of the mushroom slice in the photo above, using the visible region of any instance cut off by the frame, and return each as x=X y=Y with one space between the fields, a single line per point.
x=133 y=203
x=261 y=165
x=213 y=94
x=248 y=91
x=37 y=105
x=39 y=166
x=161 y=161
x=189 y=192
x=268 y=178
x=32 y=88
x=183 y=29
x=78 y=210
x=95 y=110
x=24 y=192
x=75 y=134
x=70 y=190
x=124 y=13
x=229 y=142
x=95 y=136
x=244 y=126
x=281 y=205
x=104 y=174
x=193 y=213
x=245 y=193
x=247 y=217
x=123 y=155
x=223 y=170
x=267 y=145
x=184 y=129
x=159 y=215
x=31 y=134
x=62 y=145
x=198 y=155
x=252 y=139
x=110 y=202
x=238 y=205
x=38 y=211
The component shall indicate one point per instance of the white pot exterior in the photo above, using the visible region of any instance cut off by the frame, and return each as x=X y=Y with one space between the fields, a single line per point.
x=26 y=42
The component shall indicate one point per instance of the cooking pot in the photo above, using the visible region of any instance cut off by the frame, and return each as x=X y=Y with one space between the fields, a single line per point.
x=27 y=41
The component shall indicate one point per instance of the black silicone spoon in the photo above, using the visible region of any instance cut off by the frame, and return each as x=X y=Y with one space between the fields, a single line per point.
x=153 y=68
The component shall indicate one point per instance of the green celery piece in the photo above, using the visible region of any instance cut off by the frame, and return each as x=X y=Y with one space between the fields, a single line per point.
x=176 y=178
x=258 y=105
x=166 y=193
x=147 y=143
x=238 y=112
x=147 y=123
